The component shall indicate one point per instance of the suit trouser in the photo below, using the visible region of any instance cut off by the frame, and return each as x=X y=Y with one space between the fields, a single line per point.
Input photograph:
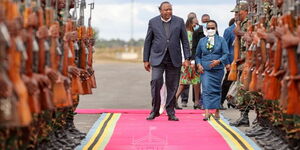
x=172 y=82
x=185 y=93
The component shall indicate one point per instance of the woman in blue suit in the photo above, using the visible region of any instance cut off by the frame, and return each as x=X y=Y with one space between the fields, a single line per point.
x=211 y=58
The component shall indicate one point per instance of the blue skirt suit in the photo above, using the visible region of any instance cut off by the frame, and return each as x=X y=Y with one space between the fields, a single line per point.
x=212 y=77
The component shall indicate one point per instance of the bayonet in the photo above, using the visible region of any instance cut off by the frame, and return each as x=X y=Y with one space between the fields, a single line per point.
x=66 y=14
x=91 y=8
x=81 y=13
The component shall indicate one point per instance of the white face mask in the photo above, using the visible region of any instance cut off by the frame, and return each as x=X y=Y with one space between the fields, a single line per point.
x=211 y=32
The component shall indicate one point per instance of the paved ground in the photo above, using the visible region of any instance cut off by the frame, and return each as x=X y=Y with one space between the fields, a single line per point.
x=123 y=85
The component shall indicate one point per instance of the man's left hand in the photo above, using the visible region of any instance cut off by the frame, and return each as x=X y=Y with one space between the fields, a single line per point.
x=187 y=63
x=214 y=63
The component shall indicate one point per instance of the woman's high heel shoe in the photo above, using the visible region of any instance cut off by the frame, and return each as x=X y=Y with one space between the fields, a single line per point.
x=217 y=118
x=207 y=118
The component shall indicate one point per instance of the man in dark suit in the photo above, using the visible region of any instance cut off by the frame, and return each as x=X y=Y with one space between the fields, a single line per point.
x=162 y=52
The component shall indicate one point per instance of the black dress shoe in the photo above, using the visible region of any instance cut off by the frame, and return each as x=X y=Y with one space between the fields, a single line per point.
x=173 y=118
x=197 y=107
x=152 y=116
x=222 y=107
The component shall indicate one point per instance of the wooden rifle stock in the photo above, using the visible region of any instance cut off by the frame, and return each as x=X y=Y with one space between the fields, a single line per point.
x=60 y=97
x=252 y=85
x=90 y=57
x=246 y=74
x=14 y=58
x=83 y=59
x=233 y=74
x=32 y=84
x=46 y=94
x=76 y=87
x=8 y=102
x=293 y=91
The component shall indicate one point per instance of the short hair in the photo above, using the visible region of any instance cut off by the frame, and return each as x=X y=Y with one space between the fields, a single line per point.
x=231 y=22
x=205 y=15
x=165 y=2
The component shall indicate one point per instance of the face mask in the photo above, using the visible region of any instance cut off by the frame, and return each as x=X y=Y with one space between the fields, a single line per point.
x=196 y=27
x=211 y=32
x=204 y=25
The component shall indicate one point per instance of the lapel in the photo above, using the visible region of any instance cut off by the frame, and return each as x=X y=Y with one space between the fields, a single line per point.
x=160 y=23
x=172 y=25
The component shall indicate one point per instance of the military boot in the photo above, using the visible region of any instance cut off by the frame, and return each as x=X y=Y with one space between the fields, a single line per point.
x=242 y=121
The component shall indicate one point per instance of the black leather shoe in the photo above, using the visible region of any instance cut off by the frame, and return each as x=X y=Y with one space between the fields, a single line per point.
x=152 y=116
x=173 y=118
x=222 y=107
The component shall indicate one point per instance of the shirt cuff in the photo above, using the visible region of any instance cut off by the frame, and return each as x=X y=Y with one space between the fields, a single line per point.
x=193 y=62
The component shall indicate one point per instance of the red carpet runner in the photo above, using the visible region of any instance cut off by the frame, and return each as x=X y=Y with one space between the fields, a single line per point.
x=129 y=130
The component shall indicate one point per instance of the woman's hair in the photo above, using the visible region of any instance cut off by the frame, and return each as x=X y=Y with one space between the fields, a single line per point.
x=189 y=24
x=231 y=22
x=213 y=21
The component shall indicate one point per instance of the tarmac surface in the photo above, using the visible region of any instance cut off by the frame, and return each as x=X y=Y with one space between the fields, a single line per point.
x=124 y=85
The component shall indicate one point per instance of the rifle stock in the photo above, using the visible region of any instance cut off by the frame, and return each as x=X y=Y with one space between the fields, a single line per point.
x=83 y=59
x=14 y=57
x=293 y=91
x=8 y=102
x=233 y=74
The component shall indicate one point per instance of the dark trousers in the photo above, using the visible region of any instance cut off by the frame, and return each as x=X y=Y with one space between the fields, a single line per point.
x=225 y=88
x=185 y=93
x=172 y=82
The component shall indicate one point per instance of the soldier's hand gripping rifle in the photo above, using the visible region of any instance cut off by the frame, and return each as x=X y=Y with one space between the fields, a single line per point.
x=83 y=51
x=90 y=44
x=233 y=74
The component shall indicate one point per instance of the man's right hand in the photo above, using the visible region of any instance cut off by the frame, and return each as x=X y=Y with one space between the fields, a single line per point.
x=147 y=66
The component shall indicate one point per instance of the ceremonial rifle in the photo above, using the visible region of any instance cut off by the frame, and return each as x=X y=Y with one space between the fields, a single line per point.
x=233 y=74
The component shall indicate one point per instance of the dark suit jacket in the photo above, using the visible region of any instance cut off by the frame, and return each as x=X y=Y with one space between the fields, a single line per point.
x=197 y=35
x=157 y=43
x=218 y=52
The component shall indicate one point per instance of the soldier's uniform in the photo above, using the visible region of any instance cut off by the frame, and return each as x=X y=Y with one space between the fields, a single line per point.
x=242 y=98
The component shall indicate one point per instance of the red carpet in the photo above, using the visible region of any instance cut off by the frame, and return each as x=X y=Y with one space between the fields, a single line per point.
x=132 y=111
x=129 y=130
x=190 y=133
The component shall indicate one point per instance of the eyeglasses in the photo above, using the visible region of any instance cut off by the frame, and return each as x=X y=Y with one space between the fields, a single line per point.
x=208 y=28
